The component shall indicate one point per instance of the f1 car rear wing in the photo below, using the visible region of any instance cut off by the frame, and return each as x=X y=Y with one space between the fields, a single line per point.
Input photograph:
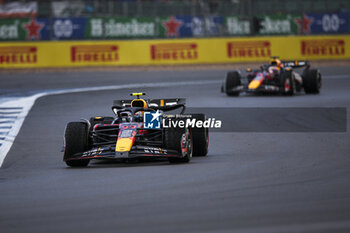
x=153 y=103
x=166 y=102
x=296 y=64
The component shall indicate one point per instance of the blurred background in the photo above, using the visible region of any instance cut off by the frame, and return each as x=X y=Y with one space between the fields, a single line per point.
x=127 y=19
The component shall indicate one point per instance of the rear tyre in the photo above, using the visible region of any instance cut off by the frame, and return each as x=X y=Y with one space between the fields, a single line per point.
x=287 y=85
x=76 y=140
x=312 y=81
x=233 y=80
x=179 y=139
x=200 y=137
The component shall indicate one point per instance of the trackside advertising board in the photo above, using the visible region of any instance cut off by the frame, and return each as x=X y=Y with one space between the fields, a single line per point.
x=80 y=28
x=334 y=23
x=189 y=26
x=170 y=51
x=24 y=29
x=68 y=28
x=121 y=27
x=278 y=24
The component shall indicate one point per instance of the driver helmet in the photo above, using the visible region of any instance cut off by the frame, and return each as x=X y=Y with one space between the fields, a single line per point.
x=125 y=116
x=138 y=116
x=273 y=71
x=141 y=103
x=276 y=62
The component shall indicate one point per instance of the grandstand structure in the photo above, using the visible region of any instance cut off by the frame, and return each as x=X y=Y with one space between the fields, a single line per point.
x=190 y=7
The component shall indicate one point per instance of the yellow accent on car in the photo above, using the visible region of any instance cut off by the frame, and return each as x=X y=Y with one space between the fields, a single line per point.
x=139 y=103
x=162 y=102
x=276 y=62
x=97 y=118
x=137 y=94
x=124 y=144
x=254 y=84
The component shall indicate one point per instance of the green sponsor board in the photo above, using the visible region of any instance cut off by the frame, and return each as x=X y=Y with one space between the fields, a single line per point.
x=278 y=24
x=162 y=29
x=237 y=26
x=11 y=29
x=94 y=28
x=24 y=29
x=121 y=27
x=129 y=27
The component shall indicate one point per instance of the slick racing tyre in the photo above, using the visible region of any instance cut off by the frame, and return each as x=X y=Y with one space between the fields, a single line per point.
x=200 y=137
x=233 y=79
x=312 y=81
x=76 y=140
x=287 y=84
x=179 y=139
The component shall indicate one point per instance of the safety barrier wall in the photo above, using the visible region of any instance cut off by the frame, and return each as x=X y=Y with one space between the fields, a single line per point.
x=171 y=51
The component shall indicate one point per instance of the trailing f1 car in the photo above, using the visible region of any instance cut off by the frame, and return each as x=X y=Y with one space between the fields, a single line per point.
x=275 y=77
x=136 y=131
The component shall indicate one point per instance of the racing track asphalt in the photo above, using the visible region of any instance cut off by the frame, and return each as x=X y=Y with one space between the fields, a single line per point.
x=249 y=182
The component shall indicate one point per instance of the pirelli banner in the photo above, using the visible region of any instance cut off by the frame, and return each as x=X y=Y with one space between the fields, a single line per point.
x=171 y=51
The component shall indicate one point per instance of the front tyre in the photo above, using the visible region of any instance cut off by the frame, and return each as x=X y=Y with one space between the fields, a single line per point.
x=180 y=140
x=76 y=141
x=232 y=83
x=312 y=81
x=287 y=84
x=200 y=137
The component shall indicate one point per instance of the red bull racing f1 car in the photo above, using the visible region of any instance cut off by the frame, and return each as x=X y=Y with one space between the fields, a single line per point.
x=136 y=131
x=276 y=77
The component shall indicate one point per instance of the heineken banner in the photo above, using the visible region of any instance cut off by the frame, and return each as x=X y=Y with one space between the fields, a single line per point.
x=24 y=29
x=236 y=26
x=277 y=25
x=28 y=29
x=121 y=27
x=188 y=26
x=94 y=28
x=324 y=23
x=69 y=28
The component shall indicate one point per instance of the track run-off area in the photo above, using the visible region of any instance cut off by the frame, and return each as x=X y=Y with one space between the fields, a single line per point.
x=249 y=182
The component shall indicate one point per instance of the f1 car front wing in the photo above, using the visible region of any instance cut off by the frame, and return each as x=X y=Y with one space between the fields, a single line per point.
x=135 y=152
